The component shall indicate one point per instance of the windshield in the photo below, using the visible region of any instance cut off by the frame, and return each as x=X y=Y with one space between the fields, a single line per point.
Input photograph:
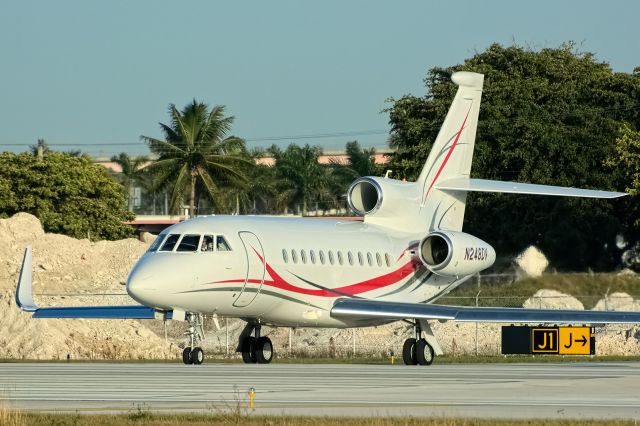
x=170 y=242
x=156 y=243
x=189 y=243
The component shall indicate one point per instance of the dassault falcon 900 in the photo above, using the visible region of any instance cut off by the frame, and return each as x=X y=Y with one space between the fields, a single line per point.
x=407 y=252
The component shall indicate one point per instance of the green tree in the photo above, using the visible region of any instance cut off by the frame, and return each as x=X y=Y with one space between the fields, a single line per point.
x=70 y=195
x=624 y=163
x=302 y=178
x=548 y=117
x=360 y=162
x=130 y=174
x=197 y=155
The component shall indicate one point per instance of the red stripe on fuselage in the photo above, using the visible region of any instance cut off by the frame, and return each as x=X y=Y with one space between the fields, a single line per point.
x=352 y=289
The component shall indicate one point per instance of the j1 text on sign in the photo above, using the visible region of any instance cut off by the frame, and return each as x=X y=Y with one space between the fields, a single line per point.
x=548 y=340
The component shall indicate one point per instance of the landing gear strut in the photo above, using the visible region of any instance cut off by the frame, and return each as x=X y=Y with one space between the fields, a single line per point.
x=255 y=349
x=193 y=354
x=417 y=350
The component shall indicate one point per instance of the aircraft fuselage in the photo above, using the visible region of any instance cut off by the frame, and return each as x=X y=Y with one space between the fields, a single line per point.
x=281 y=271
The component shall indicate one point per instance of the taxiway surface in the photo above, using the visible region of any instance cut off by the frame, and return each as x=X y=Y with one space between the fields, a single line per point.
x=585 y=390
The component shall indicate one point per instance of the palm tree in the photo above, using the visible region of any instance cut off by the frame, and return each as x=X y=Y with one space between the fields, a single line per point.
x=131 y=169
x=197 y=149
x=302 y=177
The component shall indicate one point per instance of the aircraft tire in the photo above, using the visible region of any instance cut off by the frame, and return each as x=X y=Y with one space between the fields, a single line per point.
x=186 y=356
x=424 y=352
x=263 y=350
x=248 y=350
x=409 y=352
x=197 y=356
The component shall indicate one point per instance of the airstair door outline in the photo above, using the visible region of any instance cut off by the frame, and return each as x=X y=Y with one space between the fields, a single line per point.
x=255 y=269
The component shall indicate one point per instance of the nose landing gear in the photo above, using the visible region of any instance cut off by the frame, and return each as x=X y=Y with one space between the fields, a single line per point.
x=193 y=354
x=255 y=349
x=417 y=350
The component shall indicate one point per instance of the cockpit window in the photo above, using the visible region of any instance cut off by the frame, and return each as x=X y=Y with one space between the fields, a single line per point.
x=189 y=243
x=156 y=243
x=207 y=243
x=221 y=244
x=170 y=242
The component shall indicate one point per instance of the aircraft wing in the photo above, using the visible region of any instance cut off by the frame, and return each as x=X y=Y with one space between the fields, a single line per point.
x=24 y=300
x=482 y=185
x=366 y=309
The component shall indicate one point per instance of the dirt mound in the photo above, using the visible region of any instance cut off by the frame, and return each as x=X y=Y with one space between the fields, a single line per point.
x=64 y=265
x=552 y=299
x=532 y=261
x=618 y=301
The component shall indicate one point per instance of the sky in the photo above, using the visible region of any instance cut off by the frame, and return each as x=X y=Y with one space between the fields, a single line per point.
x=97 y=75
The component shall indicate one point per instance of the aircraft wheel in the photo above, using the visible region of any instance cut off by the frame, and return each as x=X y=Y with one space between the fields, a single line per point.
x=424 y=352
x=409 y=352
x=263 y=350
x=186 y=356
x=248 y=350
x=197 y=356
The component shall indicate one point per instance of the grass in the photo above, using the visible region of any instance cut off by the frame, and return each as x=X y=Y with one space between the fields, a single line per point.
x=588 y=288
x=149 y=419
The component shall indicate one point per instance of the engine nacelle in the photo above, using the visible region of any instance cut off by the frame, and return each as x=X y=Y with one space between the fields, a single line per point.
x=455 y=254
x=381 y=197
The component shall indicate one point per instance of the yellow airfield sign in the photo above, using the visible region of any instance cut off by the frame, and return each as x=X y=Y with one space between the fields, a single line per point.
x=561 y=340
x=575 y=340
x=548 y=340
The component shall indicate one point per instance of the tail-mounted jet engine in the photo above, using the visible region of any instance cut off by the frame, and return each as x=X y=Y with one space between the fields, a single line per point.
x=382 y=197
x=451 y=253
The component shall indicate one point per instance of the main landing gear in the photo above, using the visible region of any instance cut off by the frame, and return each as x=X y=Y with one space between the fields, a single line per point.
x=193 y=354
x=255 y=349
x=417 y=350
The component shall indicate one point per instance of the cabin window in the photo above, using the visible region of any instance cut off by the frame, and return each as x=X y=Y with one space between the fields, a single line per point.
x=170 y=242
x=379 y=259
x=221 y=244
x=387 y=259
x=312 y=256
x=350 y=257
x=340 y=259
x=303 y=256
x=285 y=256
x=207 y=243
x=369 y=259
x=360 y=259
x=157 y=243
x=294 y=256
x=331 y=260
x=189 y=243
x=321 y=256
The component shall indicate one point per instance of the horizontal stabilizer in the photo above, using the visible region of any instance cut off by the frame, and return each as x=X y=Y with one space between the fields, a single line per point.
x=482 y=185
x=24 y=300
x=363 y=309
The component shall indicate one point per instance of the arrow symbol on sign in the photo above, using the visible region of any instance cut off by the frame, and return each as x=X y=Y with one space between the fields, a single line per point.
x=583 y=340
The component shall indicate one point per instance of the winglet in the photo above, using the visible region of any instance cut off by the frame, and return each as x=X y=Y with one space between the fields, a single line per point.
x=24 y=293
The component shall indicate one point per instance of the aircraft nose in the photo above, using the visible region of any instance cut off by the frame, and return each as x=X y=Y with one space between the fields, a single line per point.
x=139 y=286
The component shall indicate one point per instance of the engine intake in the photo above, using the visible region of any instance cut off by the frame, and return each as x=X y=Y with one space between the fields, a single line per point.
x=451 y=253
x=364 y=196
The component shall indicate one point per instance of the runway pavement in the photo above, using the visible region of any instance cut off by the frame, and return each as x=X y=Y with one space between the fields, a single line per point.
x=585 y=390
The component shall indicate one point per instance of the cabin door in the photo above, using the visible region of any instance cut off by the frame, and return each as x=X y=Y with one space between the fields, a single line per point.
x=255 y=263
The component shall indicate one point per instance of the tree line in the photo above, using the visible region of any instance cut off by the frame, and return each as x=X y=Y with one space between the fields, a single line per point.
x=554 y=116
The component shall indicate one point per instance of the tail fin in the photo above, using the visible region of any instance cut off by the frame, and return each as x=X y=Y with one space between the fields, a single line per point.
x=451 y=155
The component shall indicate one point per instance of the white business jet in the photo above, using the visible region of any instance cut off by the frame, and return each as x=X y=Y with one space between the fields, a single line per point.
x=291 y=272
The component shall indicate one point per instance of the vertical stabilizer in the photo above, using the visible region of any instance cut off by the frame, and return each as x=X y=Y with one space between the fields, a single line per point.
x=451 y=156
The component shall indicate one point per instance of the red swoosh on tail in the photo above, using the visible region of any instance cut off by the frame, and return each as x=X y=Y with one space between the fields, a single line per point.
x=446 y=159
